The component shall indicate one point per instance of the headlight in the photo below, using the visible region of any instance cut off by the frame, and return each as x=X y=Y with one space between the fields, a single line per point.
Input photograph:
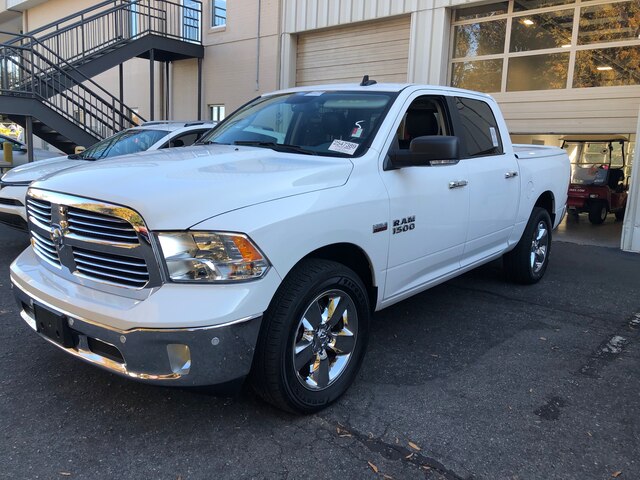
x=211 y=257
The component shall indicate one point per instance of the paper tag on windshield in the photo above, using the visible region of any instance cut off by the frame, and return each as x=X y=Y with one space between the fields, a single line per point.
x=344 y=147
x=494 y=137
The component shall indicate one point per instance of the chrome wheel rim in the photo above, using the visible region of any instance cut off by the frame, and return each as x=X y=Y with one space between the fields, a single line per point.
x=539 y=247
x=325 y=339
x=603 y=213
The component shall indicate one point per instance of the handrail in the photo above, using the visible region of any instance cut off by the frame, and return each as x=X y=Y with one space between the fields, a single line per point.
x=68 y=17
x=45 y=61
x=87 y=104
x=104 y=92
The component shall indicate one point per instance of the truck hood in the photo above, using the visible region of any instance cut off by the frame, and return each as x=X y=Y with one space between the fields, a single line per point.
x=178 y=188
x=41 y=168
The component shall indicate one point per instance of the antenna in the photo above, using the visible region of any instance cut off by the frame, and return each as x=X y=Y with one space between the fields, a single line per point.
x=366 y=82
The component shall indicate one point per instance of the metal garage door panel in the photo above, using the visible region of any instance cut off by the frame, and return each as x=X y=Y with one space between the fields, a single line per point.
x=345 y=54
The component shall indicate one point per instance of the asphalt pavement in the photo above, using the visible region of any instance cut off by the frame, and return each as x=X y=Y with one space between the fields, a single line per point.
x=474 y=379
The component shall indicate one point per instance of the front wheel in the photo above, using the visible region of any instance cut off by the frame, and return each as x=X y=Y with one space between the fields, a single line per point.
x=528 y=261
x=597 y=213
x=313 y=337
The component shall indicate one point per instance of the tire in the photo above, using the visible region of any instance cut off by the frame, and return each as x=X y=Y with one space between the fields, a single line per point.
x=597 y=212
x=330 y=347
x=620 y=214
x=528 y=261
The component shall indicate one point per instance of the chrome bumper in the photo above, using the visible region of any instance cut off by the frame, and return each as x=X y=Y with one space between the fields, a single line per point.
x=176 y=357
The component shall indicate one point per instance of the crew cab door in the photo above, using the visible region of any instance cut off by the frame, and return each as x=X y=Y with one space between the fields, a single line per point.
x=494 y=181
x=429 y=205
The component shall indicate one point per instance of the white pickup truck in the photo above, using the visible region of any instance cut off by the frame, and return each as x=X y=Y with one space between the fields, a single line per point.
x=264 y=251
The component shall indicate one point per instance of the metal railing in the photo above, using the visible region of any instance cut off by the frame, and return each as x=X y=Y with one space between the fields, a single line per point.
x=22 y=75
x=43 y=64
x=111 y=23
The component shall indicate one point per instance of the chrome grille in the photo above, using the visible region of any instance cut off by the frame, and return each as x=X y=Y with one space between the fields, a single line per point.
x=99 y=244
x=101 y=227
x=112 y=268
x=40 y=210
x=45 y=247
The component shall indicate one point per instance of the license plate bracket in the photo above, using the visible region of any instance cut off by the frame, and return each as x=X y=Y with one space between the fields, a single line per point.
x=53 y=326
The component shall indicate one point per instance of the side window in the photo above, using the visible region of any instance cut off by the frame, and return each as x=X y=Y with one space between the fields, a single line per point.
x=479 y=132
x=185 y=139
x=425 y=116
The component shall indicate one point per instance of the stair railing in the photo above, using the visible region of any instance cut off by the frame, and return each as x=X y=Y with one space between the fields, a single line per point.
x=111 y=23
x=22 y=76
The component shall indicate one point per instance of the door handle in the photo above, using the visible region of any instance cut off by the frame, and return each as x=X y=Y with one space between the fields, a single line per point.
x=510 y=174
x=458 y=184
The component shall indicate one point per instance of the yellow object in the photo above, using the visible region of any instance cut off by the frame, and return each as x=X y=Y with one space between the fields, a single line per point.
x=79 y=149
x=7 y=149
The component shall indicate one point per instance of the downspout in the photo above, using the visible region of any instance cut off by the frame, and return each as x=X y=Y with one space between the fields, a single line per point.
x=258 y=48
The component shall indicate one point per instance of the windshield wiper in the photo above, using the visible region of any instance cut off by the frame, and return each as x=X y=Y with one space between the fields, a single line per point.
x=78 y=156
x=209 y=142
x=278 y=147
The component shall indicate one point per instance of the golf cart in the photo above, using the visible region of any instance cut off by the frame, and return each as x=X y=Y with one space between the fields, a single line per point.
x=599 y=184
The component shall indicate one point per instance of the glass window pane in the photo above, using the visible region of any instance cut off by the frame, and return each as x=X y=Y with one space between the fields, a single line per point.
x=523 y=5
x=481 y=11
x=611 y=22
x=607 y=67
x=480 y=75
x=544 y=30
x=480 y=133
x=538 y=72
x=486 y=38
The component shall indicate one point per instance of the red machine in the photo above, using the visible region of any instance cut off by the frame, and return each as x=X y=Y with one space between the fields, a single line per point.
x=599 y=176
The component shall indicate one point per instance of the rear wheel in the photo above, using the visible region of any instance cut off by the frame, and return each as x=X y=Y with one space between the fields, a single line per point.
x=313 y=337
x=620 y=214
x=597 y=212
x=528 y=261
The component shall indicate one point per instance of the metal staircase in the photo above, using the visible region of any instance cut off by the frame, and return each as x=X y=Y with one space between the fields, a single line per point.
x=46 y=75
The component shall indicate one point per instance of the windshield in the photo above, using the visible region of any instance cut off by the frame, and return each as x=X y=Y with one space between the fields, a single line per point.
x=127 y=141
x=592 y=161
x=327 y=123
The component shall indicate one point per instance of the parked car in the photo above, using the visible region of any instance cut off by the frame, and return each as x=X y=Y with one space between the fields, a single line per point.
x=20 y=151
x=598 y=181
x=265 y=252
x=150 y=136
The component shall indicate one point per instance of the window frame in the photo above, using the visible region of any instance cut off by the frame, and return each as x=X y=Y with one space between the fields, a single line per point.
x=458 y=129
x=506 y=55
x=214 y=7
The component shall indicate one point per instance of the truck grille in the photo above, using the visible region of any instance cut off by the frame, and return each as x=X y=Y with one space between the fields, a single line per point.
x=101 y=227
x=40 y=210
x=103 y=243
x=45 y=247
x=128 y=271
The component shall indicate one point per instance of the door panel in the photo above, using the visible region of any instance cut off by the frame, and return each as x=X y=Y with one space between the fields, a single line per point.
x=494 y=193
x=429 y=205
x=434 y=246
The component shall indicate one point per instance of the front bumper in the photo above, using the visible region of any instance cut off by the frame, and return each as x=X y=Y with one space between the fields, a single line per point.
x=180 y=357
x=12 y=210
x=148 y=337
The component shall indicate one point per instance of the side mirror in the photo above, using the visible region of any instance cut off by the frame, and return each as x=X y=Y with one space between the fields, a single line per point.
x=424 y=150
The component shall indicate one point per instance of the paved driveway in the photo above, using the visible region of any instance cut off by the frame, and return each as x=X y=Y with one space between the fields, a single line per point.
x=476 y=378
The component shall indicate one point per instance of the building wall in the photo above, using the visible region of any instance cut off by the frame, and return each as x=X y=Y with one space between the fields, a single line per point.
x=586 y=110
x=232 y=72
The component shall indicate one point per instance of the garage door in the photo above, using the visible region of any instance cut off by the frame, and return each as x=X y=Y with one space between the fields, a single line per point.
x=345 y=54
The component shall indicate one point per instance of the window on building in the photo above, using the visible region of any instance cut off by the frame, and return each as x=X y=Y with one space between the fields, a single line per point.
x=480 y=134
x=218 y=13
x=519 y=45
x=216 y=112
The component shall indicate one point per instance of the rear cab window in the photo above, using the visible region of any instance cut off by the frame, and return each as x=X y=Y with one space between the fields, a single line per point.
x=478 y=129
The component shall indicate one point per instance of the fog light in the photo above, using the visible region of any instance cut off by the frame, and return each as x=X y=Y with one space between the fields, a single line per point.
x=593 y=195
x=179 y=358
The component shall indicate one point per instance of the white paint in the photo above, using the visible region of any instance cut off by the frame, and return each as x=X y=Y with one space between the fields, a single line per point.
x=615 y=345
x=630 y=240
